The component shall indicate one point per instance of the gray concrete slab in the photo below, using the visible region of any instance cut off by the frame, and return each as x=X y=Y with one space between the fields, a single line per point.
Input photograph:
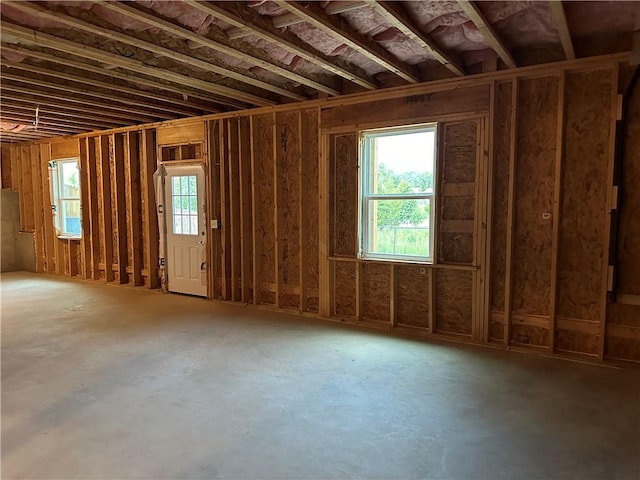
x=105 y=382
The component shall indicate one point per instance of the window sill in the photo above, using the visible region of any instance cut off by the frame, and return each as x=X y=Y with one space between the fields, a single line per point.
x=68 y=237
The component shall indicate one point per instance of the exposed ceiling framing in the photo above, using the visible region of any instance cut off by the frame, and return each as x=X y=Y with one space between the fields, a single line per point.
x=473 y=12
x=557 y=10
x=104 y=64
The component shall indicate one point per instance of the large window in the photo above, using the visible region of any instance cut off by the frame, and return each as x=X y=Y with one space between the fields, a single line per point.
x=397 y=192
x=65 y=183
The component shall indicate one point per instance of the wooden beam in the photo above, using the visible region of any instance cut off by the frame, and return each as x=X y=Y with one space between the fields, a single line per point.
x=22 y=109
x=203 y=41
x=490 y=36
x=280 y=38
x=107 y=99
x=229 y=96
x=129 y=92
x=336 y=27
x=105 y=195
x=606 y=231
x=92 y=206
x=122 y=112
x=557 y=12
x=76 y=23
x=46 y=125
x=181 y=91
x=557 y=204
x=149 y=165
x=49 y=227
x=119 y=145
x=134 y=214
x=635 y=49
x=511 y=198
x=395 y=14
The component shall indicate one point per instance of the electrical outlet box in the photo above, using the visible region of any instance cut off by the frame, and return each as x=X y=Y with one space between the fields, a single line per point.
x=215 y=224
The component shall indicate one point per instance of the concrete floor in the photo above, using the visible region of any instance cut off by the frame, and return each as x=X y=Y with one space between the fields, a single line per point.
x=107 y=382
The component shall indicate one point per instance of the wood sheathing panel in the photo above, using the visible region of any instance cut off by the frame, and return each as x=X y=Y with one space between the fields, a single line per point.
x=406 y=109
x=375 y=292
x=27 y=220
x=454 y=301
x=265 y=218
x=344 y=216
x=583 y=209
x=623 y=321
x=501 y=147
x=458 y=167
x=345 y=289
x=310 y=206
x=412 y=295
x=288 y=152
x=5 y=167
x=534 y=187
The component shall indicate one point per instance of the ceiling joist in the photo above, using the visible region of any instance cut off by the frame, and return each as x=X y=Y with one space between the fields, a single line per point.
x=126 y=98
x=490 y=36
x=274 y=35
x=336 y=27
x=33 y=37
x=557 y=11
x=92 y=113
x=146 y=107
x=203 y=41
x=398 y=18
x=203 y=104
x=68 y=117
x=162 y=51
x=121 y=111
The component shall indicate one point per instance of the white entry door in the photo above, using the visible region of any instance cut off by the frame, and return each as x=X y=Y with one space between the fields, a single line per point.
x=186 y=232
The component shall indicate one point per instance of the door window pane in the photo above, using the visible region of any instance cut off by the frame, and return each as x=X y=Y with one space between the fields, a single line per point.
x=184 y=201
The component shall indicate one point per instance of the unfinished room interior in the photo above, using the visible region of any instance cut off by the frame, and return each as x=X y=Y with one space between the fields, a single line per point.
x=320 y=240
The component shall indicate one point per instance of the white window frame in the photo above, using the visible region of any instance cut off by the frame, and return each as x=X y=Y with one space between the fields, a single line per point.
x=366 y=221
x=57 y=199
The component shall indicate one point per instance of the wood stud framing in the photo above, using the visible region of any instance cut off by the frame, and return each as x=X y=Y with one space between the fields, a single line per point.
x=265 y=259
x=557 y=11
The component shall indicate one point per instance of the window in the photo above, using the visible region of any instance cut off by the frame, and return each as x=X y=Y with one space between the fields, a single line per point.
x=397 y=192
x=65 y=181
x=184 y=200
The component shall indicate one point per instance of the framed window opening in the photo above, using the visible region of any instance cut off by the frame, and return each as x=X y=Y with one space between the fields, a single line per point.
x=397 y=193
x=66 y=199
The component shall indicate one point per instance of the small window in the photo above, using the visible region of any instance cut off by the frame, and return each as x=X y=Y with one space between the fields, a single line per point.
x=184 y=200
x=397 y=192
x=65 y=181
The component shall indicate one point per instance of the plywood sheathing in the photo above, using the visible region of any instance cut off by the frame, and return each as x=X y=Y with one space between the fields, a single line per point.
x=457 y=202
x=581 y=252
x=344 y=225
x=536 y=150
x=263 y=142
x=622 y=339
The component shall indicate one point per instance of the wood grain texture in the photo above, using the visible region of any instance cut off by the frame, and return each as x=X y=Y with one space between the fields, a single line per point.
x=406 y=109
x=501 y=146
x=536 y=150
x=376 y=292
x=288 y=148
x=310 y=203
x=454 y=301
x=412 y=295
x=344 y=193
x=583 y=208
x=265 y=222
x=345 y=289
x=458 y=167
